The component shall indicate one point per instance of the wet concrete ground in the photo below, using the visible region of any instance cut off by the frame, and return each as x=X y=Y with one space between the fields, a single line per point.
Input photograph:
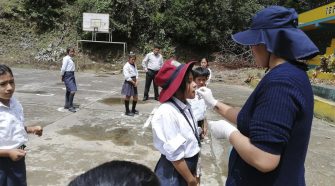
x=75 y=142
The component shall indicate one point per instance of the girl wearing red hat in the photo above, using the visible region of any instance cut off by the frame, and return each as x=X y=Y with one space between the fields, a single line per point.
x=175 y=132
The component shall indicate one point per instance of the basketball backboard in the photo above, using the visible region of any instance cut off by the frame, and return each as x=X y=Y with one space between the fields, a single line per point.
x=96 y=22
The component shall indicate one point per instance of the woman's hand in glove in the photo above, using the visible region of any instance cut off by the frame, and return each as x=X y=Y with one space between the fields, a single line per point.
x=221 y=129
x=207 y=95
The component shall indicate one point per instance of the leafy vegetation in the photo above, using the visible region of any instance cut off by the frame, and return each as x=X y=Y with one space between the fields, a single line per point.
x=197 y=25
x=327 y=63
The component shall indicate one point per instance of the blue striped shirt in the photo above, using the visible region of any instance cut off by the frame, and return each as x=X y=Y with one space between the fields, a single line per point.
x=277 y=117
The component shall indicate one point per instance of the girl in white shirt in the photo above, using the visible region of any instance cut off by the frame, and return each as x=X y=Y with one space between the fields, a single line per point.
x=13 y=133
x=129 y=87
x=204 y=64
x=174 y=127
x=67 y=76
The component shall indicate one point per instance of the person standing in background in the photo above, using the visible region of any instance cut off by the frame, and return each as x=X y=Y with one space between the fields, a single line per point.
x=204 y=64
x=198 y=105
x=67 y=76
x=151 y=63
x=129 y=87
x=200 y=76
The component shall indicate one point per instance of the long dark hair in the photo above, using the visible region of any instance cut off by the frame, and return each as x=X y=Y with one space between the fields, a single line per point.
x=183 y=84
x=5 y=69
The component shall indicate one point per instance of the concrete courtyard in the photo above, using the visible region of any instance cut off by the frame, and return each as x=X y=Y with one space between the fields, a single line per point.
x=99 y=131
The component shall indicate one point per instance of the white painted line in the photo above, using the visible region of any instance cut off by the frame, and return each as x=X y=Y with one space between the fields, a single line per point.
x=45 y=94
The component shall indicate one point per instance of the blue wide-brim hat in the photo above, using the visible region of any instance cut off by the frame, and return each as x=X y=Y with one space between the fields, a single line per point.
x=276 y=27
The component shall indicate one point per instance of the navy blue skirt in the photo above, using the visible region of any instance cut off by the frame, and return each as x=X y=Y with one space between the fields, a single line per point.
x=169 y=176
x=12 y=173
x=128 y=88
x=70 y=81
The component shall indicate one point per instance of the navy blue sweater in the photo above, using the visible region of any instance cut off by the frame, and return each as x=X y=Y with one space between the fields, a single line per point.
x=277 y=117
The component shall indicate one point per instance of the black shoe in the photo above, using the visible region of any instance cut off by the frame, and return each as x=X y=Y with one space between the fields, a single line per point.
x=72 y=109
x=135 y=111
x=66 y=107
x=156 y=98
x=145 y=98
x=129 y=114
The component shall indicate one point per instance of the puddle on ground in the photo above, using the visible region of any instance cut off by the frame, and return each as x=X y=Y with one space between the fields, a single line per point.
x=119 y=136
x=113 y=101
x=32 y=91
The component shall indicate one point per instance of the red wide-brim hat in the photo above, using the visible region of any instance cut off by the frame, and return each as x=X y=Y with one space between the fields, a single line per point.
x=170 y=76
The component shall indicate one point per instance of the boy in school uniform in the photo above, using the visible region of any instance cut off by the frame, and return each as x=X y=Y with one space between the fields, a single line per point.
x=13 y=133
x=198 y=104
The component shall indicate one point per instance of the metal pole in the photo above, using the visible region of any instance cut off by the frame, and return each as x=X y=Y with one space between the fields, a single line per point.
x=124 y=50
x=95 y=30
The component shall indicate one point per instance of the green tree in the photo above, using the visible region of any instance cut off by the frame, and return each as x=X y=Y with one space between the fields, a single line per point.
x=197 y=23
x=46 y=14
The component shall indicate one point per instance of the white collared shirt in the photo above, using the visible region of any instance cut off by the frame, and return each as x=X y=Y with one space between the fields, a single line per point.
x=67 y=65
x=129 y=71
x=12 y=132
x=172 y=134
x=152 y=61
x=199 y=107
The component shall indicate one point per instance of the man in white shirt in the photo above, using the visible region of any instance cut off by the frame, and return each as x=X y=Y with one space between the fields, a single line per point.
x=151 y=63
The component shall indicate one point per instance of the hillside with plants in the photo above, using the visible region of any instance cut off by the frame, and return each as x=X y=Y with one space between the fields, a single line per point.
x=38 y=31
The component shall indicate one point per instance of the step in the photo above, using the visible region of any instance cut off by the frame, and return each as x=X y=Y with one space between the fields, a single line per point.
x=324 y=91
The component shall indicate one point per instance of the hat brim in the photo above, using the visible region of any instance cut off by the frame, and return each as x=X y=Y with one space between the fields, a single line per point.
x=166 y=94
x=249 y=37
x=289 y=43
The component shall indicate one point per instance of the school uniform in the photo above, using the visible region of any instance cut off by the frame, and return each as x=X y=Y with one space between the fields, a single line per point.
x=67 y=73
x=13 y=136
x=130 y=74
x=176 y=138
x=152 y=63
x=199 y=108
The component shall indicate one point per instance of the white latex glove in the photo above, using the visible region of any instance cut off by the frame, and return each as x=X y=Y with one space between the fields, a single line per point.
x=221 y=129
x=207 y=95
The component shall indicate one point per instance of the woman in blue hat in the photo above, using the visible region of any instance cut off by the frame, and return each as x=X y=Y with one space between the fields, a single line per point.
x=273 y=127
